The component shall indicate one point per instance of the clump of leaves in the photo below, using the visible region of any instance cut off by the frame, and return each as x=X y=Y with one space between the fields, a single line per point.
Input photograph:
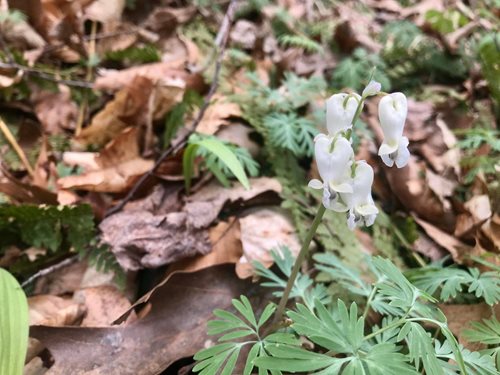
x=409 y=53
x=472 y=140
x=413 y=336
x=222 y=158
x=351 y=71
x=59 y=229
x=135 y=54
x=222 y=357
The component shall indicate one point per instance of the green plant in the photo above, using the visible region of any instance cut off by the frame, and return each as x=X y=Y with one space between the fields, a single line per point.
x=144 y=54
x=474 y=138
x=59 y=229
x=14 y=325
x=221 y=158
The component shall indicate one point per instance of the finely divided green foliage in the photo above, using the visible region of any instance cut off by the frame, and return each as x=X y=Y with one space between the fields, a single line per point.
x=490 y=55
x=59 y=229
x=450 y=281
x=14 y=325
x=222 y=158
x=134 y=54
x=238 y=331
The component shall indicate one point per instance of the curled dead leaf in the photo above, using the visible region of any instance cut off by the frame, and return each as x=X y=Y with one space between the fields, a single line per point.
x=54 y=311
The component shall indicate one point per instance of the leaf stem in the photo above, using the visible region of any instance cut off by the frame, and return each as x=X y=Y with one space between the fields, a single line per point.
x=392 y=325
x=298 y=262
x=369 y=301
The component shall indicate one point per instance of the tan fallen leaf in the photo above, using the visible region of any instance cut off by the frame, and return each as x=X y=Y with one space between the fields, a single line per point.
x=126 y=109
x=103 y=305
x=105 y=11
x=171 y=73
x=263 y=230
x=54 y=311
x=225 y=239
x=459 y=318
x=204 y=206
x=457 y=249
x=217 y=115
x=119 y=165
x=55 y=110
x=8 y=79
x=491 y=230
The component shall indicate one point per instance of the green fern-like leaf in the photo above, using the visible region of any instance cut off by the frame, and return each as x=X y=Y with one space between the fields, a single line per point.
x=300 y=41
x=134 y=54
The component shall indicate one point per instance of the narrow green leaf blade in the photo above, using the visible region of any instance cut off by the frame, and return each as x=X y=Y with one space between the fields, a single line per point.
x=14 y=325
x=188 y=163
x=227 y=156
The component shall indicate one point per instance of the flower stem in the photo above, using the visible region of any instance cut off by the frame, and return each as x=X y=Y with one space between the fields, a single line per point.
x=369 y=301
x=298 y=262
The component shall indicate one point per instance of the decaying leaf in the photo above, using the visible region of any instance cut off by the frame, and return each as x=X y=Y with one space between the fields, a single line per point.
x=103 y=305
x=127 y=109
x=113 y=170
x=55 y=110
x=263 y=230
x=456 y=248
x=54 y=311
x=173 y=329
x=216 y=115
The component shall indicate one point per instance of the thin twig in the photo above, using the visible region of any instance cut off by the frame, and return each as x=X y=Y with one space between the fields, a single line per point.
x=66 y=262
x=46 y=76
x=222 y=37
x=19 y=151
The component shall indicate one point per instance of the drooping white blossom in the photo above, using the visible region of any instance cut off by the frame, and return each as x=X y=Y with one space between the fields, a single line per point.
x=373 y=88
x=392 y=111
x=334 y=157
x=340 y=110
x=362 y=209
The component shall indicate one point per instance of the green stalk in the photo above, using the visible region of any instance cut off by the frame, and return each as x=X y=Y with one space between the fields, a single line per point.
x=298 y=263
x=369 y=301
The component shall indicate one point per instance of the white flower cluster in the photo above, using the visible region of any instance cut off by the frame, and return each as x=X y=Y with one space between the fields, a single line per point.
x=347 y=183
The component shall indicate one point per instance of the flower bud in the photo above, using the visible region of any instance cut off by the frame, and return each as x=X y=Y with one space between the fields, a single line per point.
x=340 y=110
x=392 y=111
x=373 y=88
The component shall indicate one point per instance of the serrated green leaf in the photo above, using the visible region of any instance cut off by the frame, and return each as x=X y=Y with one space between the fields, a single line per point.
x=14 y=325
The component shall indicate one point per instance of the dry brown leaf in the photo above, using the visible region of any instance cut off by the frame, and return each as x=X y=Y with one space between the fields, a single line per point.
x=118 y=166
x=425 y=246
x=108 y=12
x=10 y=78
x=263 y=230
x=491 y=230
x=55 y=110
x=35 y=367
x=103 y=305
x=456 y=248
x=459 y=318
x=225 y=239
x=54 y=311
x=204 y=206
x=61 y=281
x=217 y=115
x=25 y=193
x=244 y=33
x=175 y=328
x=169 y=73
x=126 y=109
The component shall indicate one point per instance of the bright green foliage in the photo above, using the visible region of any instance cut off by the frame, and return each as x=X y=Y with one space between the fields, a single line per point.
x=303 y=287
x=450 y=281
x=445 y=22
x=409 y=53
x=14 y=325
x=487 y=332
x=49 y=227
x=475 y=362
x=60 y=229
x=300 y=41
x=221 y=158
x=490 y=55
x=221 y=358
x=176 y=117
x=288 y=131
x=471 y=140
x=134 y=54
x=352 y=71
